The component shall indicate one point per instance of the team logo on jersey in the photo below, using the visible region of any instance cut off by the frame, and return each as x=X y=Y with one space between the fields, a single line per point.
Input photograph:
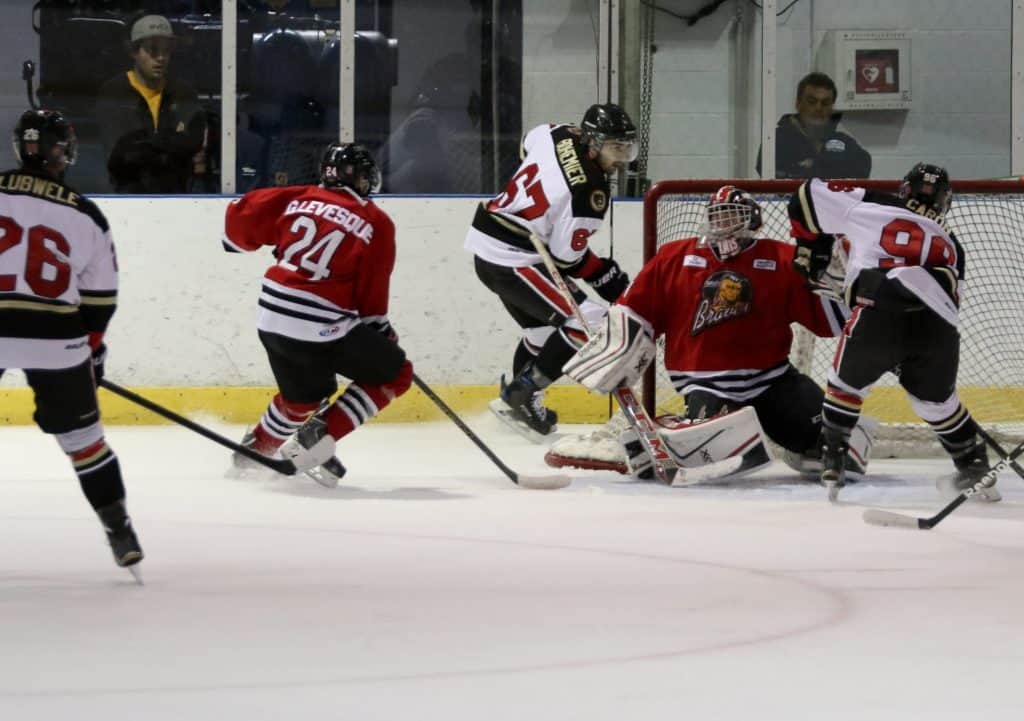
x=598 y=200
x=835 y=146
x=725 y=295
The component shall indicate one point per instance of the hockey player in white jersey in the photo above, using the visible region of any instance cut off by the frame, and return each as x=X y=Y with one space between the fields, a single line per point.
x=559 y=194
x=58 y=289
x=903 y=279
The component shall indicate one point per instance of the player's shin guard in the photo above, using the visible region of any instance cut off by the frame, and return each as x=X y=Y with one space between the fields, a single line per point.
x=281 y=419
x=839 y=413
x=362 y=401
x=530 y=346
x=95 y=464
x=99 y=473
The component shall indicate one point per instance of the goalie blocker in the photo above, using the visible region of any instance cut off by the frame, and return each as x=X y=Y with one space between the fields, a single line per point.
x=617 y=354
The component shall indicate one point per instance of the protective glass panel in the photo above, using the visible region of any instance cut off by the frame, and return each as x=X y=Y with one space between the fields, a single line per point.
x=87 y=60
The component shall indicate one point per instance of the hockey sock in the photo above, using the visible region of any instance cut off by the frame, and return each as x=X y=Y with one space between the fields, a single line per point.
x=957 y=432
x=362 y=401
x=99 y=474
x=841 y=410
x=281 y=419
x=552 y=357
x=525 y=353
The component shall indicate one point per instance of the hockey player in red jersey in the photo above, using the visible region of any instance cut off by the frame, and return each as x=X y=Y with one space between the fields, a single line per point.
x=323 y=307
x=559 y=194
x=58 y=291
x=724 y=303
x=903 y=280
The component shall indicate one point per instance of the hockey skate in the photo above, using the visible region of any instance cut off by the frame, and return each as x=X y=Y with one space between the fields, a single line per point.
x=833 y=464
x=521 y=407
x=970 y=467
x=243 y=467
x=123 y=542
x=308 y=447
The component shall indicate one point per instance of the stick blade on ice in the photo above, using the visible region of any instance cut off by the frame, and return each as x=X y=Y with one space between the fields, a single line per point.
x=877 y=517
x=544 y=483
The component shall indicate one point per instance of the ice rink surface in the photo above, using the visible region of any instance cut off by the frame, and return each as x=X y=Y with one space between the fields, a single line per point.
x=430 y=587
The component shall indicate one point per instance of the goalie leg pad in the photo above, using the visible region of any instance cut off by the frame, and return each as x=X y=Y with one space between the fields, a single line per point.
x=617 y=354
x=722 y=438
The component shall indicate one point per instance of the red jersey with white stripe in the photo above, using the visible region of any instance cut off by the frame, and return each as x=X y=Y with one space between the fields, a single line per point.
x=726 y=323
x=58 y=273
x=559 y=193
x=335 y=253
x=883 y=231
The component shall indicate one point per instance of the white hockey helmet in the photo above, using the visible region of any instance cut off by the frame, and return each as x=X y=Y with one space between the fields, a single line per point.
x=731 y=218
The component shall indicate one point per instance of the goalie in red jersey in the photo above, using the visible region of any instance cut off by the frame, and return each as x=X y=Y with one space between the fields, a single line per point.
x=323 y=308
x=724 y=302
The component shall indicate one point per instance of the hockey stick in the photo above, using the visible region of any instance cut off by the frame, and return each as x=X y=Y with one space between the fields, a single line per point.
x=543 y=483
x=664 y=467
x=1000 y=450
x=283 y=465
x=877 y=517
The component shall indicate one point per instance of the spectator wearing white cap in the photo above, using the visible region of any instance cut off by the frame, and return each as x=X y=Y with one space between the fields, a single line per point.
x=152 y=125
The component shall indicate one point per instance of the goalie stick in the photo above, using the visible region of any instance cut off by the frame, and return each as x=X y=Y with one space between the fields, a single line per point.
x=283 y=465
x=543 y=483
x=664 y=467
x=878 y=517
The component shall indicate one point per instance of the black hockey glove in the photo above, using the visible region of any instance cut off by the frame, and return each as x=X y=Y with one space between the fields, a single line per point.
x=99 y=357
x=813 y=257
x=609 y=281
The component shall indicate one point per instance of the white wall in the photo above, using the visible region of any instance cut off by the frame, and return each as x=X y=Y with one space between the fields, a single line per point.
x=186 y=308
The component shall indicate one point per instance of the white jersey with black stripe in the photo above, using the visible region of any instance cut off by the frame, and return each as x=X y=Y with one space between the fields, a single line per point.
x=881 y=231
x=558 y=194
x=56 y=262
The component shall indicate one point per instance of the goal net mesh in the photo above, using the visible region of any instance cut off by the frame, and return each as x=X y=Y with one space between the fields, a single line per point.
x=988 y=219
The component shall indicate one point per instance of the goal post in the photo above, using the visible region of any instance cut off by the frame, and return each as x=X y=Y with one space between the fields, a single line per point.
x=987 y=217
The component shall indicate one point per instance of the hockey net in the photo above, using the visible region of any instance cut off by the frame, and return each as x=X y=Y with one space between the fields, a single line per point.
x=988 y=219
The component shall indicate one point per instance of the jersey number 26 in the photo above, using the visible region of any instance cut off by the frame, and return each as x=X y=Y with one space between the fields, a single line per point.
x=47 y=271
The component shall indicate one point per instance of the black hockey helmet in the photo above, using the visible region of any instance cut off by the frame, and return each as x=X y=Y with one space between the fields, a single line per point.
x=732 y=218
x=42 y=138
x=347 y=165
x=929 y=185
x=609 y=124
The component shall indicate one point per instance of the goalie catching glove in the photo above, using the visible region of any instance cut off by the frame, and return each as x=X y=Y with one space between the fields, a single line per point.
x=617 y=354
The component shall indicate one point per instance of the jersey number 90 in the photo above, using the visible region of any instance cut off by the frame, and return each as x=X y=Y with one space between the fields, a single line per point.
x=904 y=240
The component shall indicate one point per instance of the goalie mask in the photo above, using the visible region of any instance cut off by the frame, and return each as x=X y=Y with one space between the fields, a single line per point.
x=732 y=217
x=347 y=165
x=929 y=185
x=44 y=140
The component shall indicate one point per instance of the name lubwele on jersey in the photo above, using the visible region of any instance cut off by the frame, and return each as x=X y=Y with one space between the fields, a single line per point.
x=38 y=186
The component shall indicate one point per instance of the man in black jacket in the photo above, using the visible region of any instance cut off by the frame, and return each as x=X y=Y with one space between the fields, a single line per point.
x=153 y=127
x=808 y=143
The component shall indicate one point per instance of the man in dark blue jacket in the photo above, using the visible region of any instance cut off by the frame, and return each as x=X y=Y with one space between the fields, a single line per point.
x=808 y=143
